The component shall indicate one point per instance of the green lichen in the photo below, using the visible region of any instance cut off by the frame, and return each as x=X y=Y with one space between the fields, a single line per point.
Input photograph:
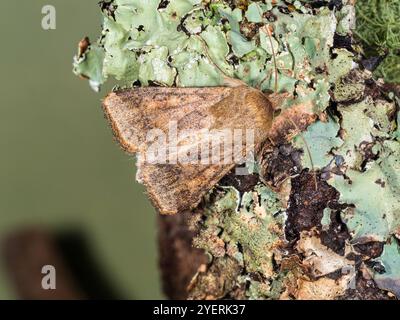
x=374 y=196
x=356 y=126
x=346 y=18
x=254 y=13
x=371 y=191
x=361 y=124
x=90 y=66
x=252 y=224
x=349 y=91
x=258 y=290
x=154 y=66
x=321 y=139
x=381 y=112
x=326 y=218
x=390 y=259
x=192 y=43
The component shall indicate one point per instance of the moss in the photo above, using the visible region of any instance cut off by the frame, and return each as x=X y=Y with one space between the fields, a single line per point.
x=378 y=28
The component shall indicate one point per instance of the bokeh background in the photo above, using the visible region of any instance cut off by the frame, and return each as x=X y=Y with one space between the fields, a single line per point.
x=60 y=168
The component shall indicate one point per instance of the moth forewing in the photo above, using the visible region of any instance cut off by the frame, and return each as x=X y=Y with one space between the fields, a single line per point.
x=187 y=138
x=121 y=118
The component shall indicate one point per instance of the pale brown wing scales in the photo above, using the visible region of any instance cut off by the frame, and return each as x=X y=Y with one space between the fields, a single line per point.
x=174 y=187
x=178 y=187
x=133 y=112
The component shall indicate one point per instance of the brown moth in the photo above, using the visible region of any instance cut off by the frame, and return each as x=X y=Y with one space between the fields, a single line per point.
x=175 y=186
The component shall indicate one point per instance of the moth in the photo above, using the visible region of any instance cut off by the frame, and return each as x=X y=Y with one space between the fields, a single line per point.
x=174 y=186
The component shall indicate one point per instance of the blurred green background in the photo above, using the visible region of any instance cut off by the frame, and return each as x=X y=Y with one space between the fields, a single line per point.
x=59 y=164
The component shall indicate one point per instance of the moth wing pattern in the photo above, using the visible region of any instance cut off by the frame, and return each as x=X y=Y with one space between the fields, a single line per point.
x=178 y=187
x=175 y=187
x=133 y=112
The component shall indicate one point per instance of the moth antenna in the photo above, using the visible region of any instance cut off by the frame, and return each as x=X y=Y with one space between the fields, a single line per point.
x=229 y=81
x=267 y=31
x=308 y=153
